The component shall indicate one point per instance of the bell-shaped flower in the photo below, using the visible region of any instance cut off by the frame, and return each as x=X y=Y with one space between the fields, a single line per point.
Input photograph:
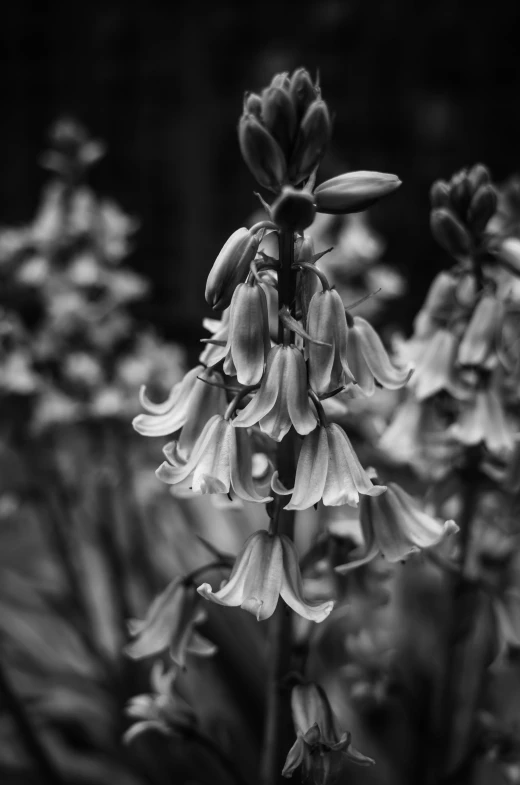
x=369 y=361
x=220 y=460
x=265 y=569
x=188 y=406
x=248 y=340
x=393 y=525
x=419 y=437
x=328 y=469
x=231 y=267
x=321 y=745
x=478 y=341
x=326 y=322
x=435 y=369
x=169 y=624
x=282 y=399
x=483 y=420
x=162 y=710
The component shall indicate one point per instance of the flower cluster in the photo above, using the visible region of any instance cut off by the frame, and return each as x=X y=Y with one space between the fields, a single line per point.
x=466 y=359
x=285 y=343
x=67 y=295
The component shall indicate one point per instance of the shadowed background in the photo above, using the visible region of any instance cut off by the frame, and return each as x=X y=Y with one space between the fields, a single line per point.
x=416 y=89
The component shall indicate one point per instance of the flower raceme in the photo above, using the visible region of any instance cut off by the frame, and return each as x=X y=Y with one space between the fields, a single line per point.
x=321 y=745
x=265 y=569
x=328 y=469
x=393 y=525
x=282 y=399
x=220 y=460
x=248 y=340
x=169 y=625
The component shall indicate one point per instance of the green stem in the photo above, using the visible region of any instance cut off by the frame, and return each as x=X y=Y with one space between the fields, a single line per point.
x=279 y=732
x=455 y=647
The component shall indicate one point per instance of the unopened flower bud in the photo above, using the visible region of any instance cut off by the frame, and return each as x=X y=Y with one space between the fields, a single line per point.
x=253 y=104
x=231 y=268
x=449 y=232
x=353 y=192
x=302 y=91
x=282 y=81
x=311 y=142
x=279 y=117
x=261 y=152
x=482 y=207
x=293 y=210
x=460 y=193
x=440 y=194
x=478 y=175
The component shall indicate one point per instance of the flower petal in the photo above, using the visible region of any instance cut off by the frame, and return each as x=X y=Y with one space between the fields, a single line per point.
x=175 y=474
x=346 y=478
x=297 y=394
x=377 y=358
x=311 y=471
x=292 y=587
x=401 y=528
x=241 y=468
x=265 y=399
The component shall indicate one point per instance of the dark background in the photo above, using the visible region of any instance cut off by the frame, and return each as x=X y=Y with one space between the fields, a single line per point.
x=418 y=89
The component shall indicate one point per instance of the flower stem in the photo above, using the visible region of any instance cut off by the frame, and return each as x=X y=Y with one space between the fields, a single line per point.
x=455 y=645
x=278 y=732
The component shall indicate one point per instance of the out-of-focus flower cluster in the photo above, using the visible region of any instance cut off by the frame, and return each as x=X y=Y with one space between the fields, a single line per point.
x=69 y=340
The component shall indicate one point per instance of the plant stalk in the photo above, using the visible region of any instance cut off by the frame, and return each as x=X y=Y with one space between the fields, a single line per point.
x=278 y=729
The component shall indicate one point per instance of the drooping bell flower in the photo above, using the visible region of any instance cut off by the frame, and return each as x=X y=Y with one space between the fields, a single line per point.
x=282 y=399
x=188 y=406
x=368 y=359
x=248 y=340
x=326 y=322
x=329 y=470
x=479 y=338
x=394 y=526
x=220 y=460
x=231 y=267
x=483 y=420
x=435 y=369
x=321 y=746
x=267 y=568
x=161 y=710
x=169 y=624
x=419 y=437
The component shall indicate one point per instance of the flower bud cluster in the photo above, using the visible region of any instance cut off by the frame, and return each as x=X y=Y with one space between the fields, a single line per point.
x=462 y=345
x=461 y=209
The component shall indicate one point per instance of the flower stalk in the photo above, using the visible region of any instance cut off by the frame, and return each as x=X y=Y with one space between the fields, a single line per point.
x=278 y=728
